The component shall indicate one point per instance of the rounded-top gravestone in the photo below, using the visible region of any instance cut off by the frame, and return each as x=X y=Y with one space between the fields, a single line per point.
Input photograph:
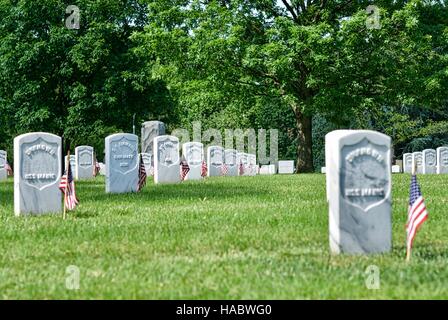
x=407 y=163
x=150 y=130
x=3 y=160
x=84 y=162
x=215 y=161
x=193 y=153
x=429 y=164
x=122 y=163
x=147 y=161
x=417 y=162
x=359 y=191
x=231 y=161
x=166 y=160
x=38 y=169
x=442 y=160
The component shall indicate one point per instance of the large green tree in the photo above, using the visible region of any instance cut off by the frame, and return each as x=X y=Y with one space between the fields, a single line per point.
x=312 y=56
x=81 y=83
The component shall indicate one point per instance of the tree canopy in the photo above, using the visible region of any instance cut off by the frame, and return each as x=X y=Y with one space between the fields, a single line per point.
x=302 y=66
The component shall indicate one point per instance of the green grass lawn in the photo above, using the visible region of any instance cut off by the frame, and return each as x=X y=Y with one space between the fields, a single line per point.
x=263 y=237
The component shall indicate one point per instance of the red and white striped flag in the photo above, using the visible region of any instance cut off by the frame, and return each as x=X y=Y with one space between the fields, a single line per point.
x=96 y=167
x=67 y=186
x=8 y=169
x=204 y=169
x=141 y=175
x=241 y=169
x=184 y=169
x=417 y=214
x=224 y=169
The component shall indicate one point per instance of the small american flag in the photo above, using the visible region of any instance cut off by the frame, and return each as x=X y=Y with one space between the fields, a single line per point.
x=96 y=167
x=141 y=175
x=184 y=169
x=417 y=214
x=241 y=169
x=224 y=169
x=204 y=169
x=67 y=186
x=8 y=169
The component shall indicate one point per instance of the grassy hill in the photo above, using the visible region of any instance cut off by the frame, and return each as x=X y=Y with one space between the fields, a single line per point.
x=263 y=237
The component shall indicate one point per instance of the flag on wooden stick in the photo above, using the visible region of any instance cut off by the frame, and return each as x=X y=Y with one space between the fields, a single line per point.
x=184 y=169
x=8 y=169
x=141 y=175
x=96 y=166
x=67 y=186
x=241 y=169
x=417 y=214
x=203 y=169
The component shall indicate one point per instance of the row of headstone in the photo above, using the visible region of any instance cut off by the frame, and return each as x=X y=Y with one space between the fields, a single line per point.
x=82 y=163
x=429 y=161
x=3 y=161
x=38 y=166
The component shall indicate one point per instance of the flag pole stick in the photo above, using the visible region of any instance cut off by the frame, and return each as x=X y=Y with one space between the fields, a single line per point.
x=67 y=163
x=408 y=249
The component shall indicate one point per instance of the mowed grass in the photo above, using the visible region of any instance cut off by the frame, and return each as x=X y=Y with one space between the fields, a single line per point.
x=263 y=237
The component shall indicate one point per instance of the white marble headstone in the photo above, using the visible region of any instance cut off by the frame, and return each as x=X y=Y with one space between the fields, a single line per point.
x=147 y=161
x=286 y=167
x=429 y=161
x=38 y=169
x=122 y=163
x=407 y=163
x=396 y=169
x=3 y=171
x=359 y=191
x=166 y=160
x=264 y=169
x=252 y=158
x=84 y=162
x=72 y=163
x=215 y=160
x=442 y=160
x=193 y=153
x=231 y=160
x=417 y=162
x=102 y=169
x=150 y=130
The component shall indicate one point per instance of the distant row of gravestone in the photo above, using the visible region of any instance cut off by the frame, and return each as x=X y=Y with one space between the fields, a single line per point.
x=38 y=167
x=429 y=161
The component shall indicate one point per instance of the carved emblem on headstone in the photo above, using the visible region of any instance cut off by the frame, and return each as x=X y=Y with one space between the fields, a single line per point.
x=365 y=179
x=444 y=157
x=194 y=155
x=431 y=158
x=168 y=154
x=216 y=156
x=39 y=164
x=124 y=154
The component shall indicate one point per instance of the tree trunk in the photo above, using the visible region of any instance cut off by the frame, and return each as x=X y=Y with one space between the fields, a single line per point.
x=305 y=143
